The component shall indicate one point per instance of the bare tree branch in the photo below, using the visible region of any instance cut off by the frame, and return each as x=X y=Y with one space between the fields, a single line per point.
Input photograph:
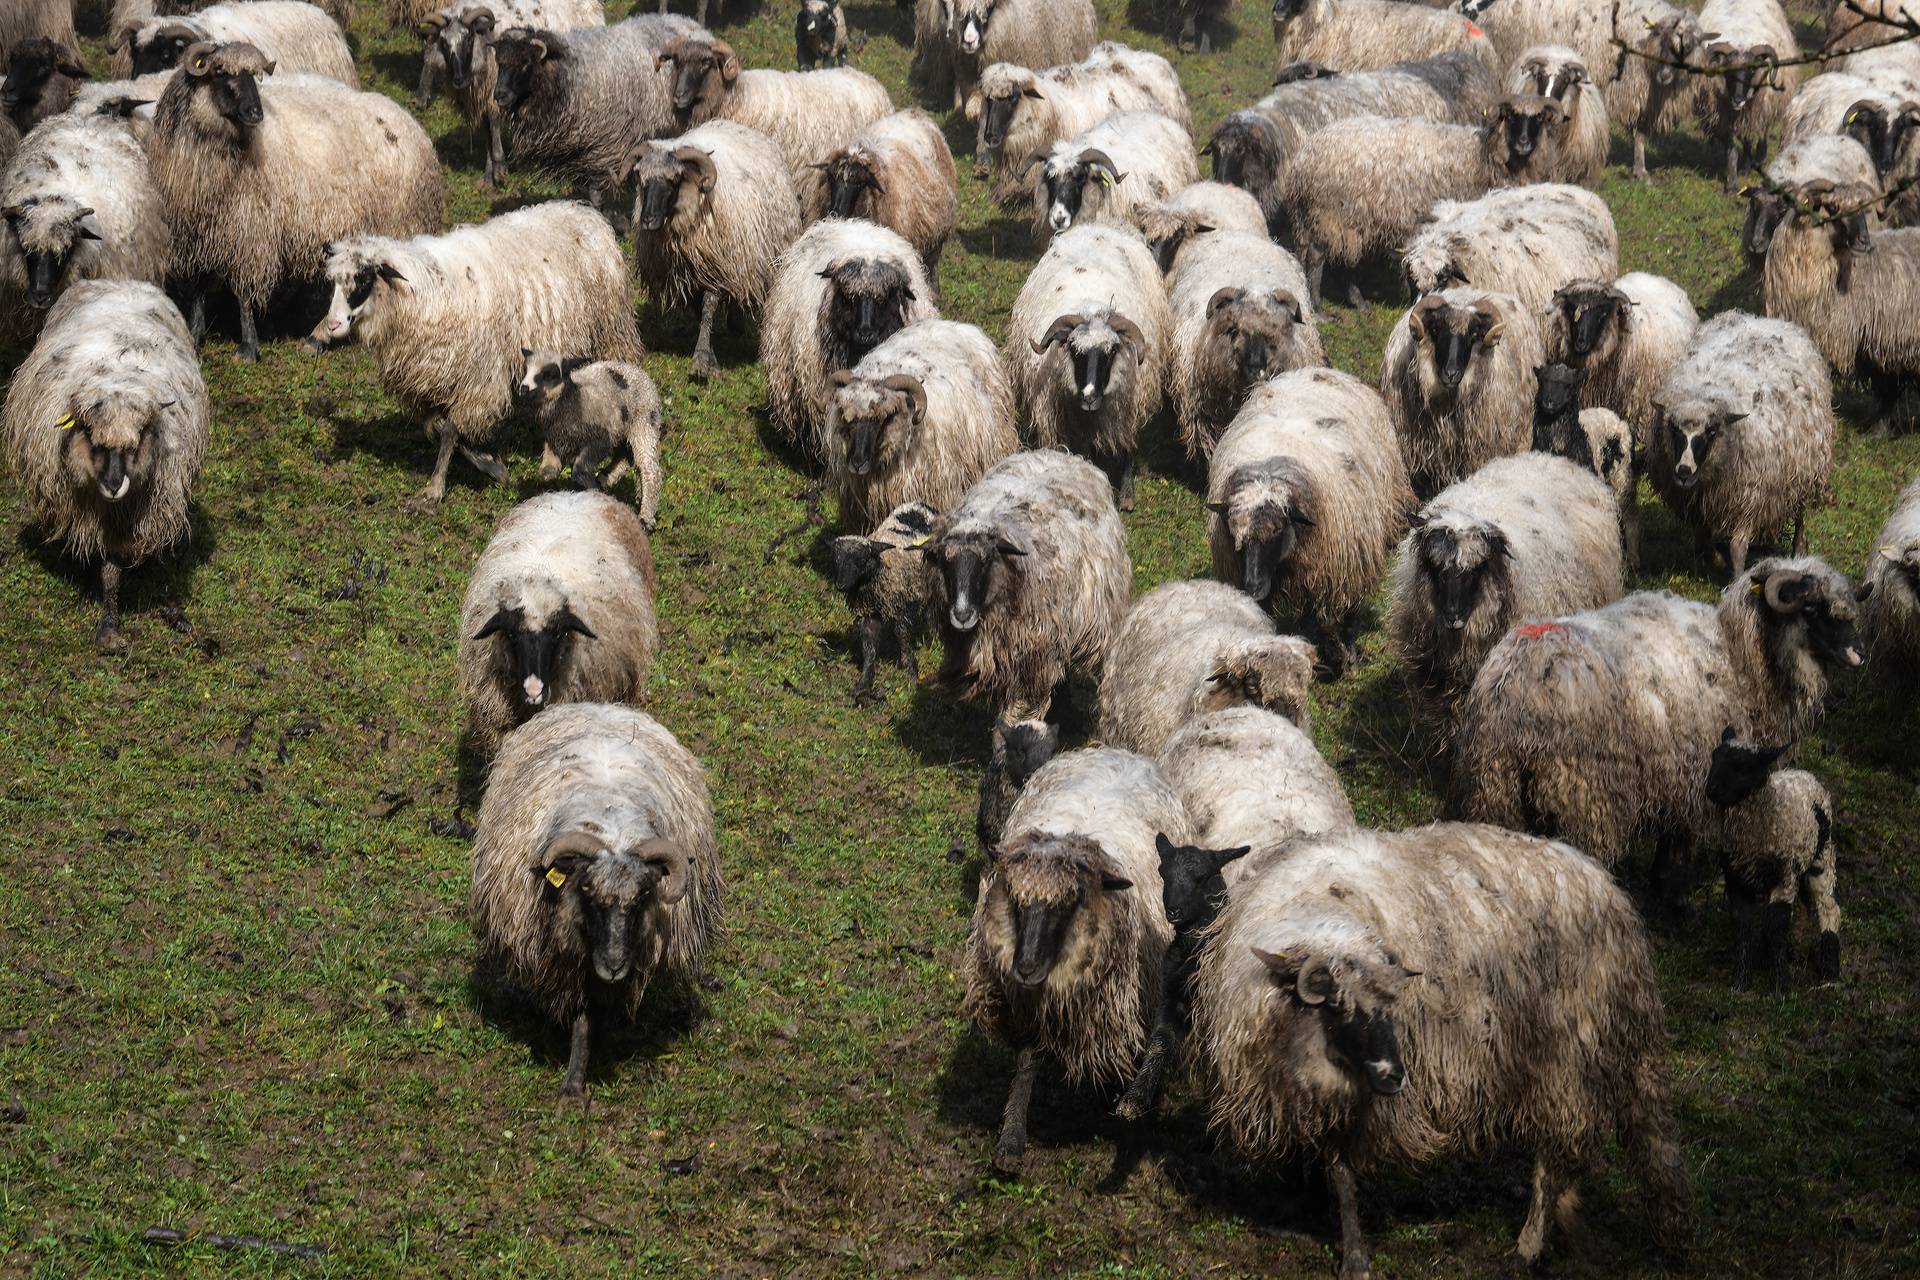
x=1905 y=28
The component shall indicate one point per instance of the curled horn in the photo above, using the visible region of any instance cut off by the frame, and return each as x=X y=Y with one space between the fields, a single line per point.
x=431 y=25
x=1058 y=331
x=1776 y=591
x=702 y=162
x=635 y=154
x=913 y=388
x=729 y=61
x=1094 y=158
x=574 y=840
x=674 y=866
x=479 y=18
x=1130 y=332
x=1417 y=318
x=1284 y=299
x=198 y=58
x=670 y=51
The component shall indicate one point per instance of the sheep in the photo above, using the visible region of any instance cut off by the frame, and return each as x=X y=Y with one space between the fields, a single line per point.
x=819 y=35
x=595 y=868
x=41 y=76
x=592 y=410
x=1763 y=386
x=1027 y=576
x=1557 y=72
x=1597 y=726
x=1890 y=616
x=840 y=290
x=9 y=139
x=574 y=103
x=1841 y=160
x=1362 y=186
x=22 y=20
x=712 y=210
x=898 y=173
x=1087 y=345
x=292 y=35
x=475 y=291
x=1775 y=839
x=1104 y=174
x=1028 y=33
x=1880 y=118
x=1020 y=748
x=919 y=419
x=1240 y=316
x=79 y=204
x=1187 y=648
x=1063 y=956
x=1626 y=336
x=342 y=163
x=1457 y=374
x=460 y=39
x=1198 y=21
x=1306 y=495
x=884 y=582
x=106 y=425
x=1743 y=103
x=1656 y=93
x=1023 y=112
x=1531 y=536
x=807 y=114
x=1387 y=999
x=559 y=609
x=1357 y=35
x=1597 y=440
x=129 y=103
x=1193 y=212
x=1849 y=289
x=1514 y=26
x=1526 y=241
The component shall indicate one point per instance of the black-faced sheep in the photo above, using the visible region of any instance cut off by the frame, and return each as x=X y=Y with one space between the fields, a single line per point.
x=1890 y=615
x=1187 y=648
x=106 y=425
x=1028 y=576
x=1356 y=35
x=1189 y=215
x=1064 y=954
x=293 y=35
x=1087 y=345
x=1557 y=72
x=919 y=419
x=1527 y=241
x=591 y=411
x=884 y=581
x=259 y=178
x=1023 y=112
x=712 y=211
x=1880 y=118
x=1596 y=440
x=1626 y=336
x=1027 y=33
x=1020 y=748
x=807 y=114
x=405 y=300
x=1656 y=93
x=1379 y=999
x=1835 y=158
x=1739 y=107
x=1515 y=26
x=1742 y=440
x=41 y=76
x=897 y=173
x=595 y=869
x=840 y=290
x=819 y=35
x=1306 y=495
x=559 y=610
x=1104 y=174
x=23 y=20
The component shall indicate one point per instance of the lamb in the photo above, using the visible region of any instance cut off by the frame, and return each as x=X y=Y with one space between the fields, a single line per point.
x=1187 y=648
x=1763 y=385
x=920 y=419
x=1191 y=214
x=1104 y=174
x=595 y=868
x=590 y=411
x=1526 y=241
x=1064 y=953
x=807 y=114
x=1626 y=336
x=1458 y=374
x=559 y=610
x=1357 y=35
x=1020 y=749
x=1557 y=72
x=1597 y=440
x=1890 y=615
x=343 y=164
x=106 y=425
x=1598 y=726
x=41 y=76
x=1653 y=94
x=1363 y=186
x=1027 y=576
x=290 y=34
x=884 y=582
x=897 y=173
x=1028 y=33
x=712 y=210
x=1775 y=837
x=1240 y=316
x=1742 y=105
x=1306 y=495
x=80 y=205
x=1840 y=160
x=1849 y=289
x=840 y=290
x=1086 y=347
x=1382 y=999
x=1531 y=536
x=819 y=35
x=1023 y=112
x=476 y=291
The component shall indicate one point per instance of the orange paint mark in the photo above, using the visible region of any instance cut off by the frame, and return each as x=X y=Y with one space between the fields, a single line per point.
x=1534 y=630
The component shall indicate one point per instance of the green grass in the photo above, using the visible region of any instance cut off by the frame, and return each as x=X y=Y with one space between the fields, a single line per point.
x=235 y=978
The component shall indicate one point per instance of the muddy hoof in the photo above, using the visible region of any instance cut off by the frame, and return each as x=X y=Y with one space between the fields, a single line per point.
x=108 y=642
x=423 y=503
x=704 y=366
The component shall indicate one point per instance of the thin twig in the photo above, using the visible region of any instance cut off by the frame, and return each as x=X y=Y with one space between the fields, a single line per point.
x=171 y=1235
x=1906 y=28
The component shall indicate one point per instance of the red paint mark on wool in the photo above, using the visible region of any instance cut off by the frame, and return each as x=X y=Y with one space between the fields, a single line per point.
x=1473 y=30
x=1534 y=630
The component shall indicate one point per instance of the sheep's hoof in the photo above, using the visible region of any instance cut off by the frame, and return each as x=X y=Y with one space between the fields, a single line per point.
x=424 y=503
x=108 y=641
x=1009 y=1159
x=1357 y=1266
x=704 y=366
x=1826 y=958
x=1132 y=1108
x=570 y=1092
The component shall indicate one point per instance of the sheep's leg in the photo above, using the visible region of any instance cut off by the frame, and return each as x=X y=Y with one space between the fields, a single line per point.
x=866 y=634
x=1011 y=1149
x=1733 y=164
x=1671 y=879
x=496 y=150
x=550 y=464
x=1800 y=532
x=1817 y=892
x=107 y=639
x=1703 y=543
x=1187 y=39
x=1354 y=1262
x=903 y=635
x=424 y=94
x=704 y=363
x=249 y=336
x=1777 y=938
x=197 y=315
x=663 y=7
x=1313 y=261
x=1737 y=546
x=575 y=1083
x=485 y=463
x=1640 y=157
x=586 y=465
x=619 y=468
x=1554 y=1199
x=1121 y=470
x=1144 y=1093
x=700 y=12
x=1744 y=906
x=1630 y=532
x=428 y=499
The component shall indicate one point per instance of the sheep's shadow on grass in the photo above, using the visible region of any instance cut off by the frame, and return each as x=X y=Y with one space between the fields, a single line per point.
x=150 y=591
x=874 y=20
x=1155 y=16
x=1397 y=728
x=1004 y=238
x=673 y=331
x=1161 y=453
x=403 y=68
x=1739 y=291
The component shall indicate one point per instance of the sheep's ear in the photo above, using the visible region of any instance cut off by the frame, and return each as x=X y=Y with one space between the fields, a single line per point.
x=1221 y=857
x=268 y=69
x=568 y=620
x=1497 y=544
x=501 y=621
x=391 y=274
x=1863 y=592
x=67 y=65
x=1115 y=884
x=1031 y=92
x=1223 y=296
x=1727 y=735
x=1009 y=547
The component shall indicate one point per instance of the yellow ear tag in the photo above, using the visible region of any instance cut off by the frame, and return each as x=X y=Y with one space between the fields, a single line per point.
x=65 y=423
x=1106 y=179
x=556 y=877
x=915 y=546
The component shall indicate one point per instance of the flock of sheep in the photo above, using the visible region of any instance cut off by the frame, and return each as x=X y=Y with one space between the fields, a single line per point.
x=1359 y=996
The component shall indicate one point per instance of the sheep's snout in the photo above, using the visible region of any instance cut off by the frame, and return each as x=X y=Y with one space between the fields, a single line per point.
x=1091 y=372
x=43 y=278
x=1059 y=217
x=971 y=36
x=1036 y=945
x=112 y=479
x=1386 y=1074
x=863 y=446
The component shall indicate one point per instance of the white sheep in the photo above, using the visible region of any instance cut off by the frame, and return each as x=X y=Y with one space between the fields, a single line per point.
x=592 y=410
x=1103 y=175
x=291 y=34
x=1527 y=241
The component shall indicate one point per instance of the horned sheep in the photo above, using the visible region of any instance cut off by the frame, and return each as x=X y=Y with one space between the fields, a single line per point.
x=589 y=411
x=1743 y=40
x=884 y=581
x=1558 y=73
x=1356 y=35
x=1890 y=615
x=1626 y=336
x=1526 y=241
x=1838 y=159
x=1104 y=174
x=1028 y=33
x=291 y=34
x=595 y=869
x=1192 y=213
x=1655 y=93
x=471 y=291
x=1882 y=118
x=1306 y=495
x=807 y=114
x=41 y=78
x=898 y=173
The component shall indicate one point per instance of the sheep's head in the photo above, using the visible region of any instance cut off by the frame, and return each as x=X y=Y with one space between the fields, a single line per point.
x=1269 y=509
x=111 y=446
x=1303 y=70
x=817 y=29
x=1745 y=71
x=873 y=417
x=668 y=181
x=1191 y=885
x=1673 y=39
x=1466 y=564
x=867 y=303
x=1451 y=337
x=598 y=895
x=1063 y=180
x=1840 y=207
x=1881 y=126
x=228 y=76
x=535 y=629
x=851 y=182
x=1099 y=349
x=1554 y=73
x=1166 y=228
x=1429 y=266
x=974 y=568
x=1594 y=315
x=857 y=559
x=520 y=57
x=1805 y=605
x=1906 y=564
x=1003 y=88
x=1245 y=151
x=32 y=68
x=1022 y=747
x=1556 y=415
x=1689 y=432
x=1252 y=330
x=1287 y=10
x=1738 y=769
x=358 y=270
x=1766 y=210
x=1274 y=673
x=1342 y=1007
x=703 y=72
x=969 y=22
x=548 y=376
x=1045 y=908
x=48 y=231
x=1524 y=123
x=162 y=44
x=460 y=34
